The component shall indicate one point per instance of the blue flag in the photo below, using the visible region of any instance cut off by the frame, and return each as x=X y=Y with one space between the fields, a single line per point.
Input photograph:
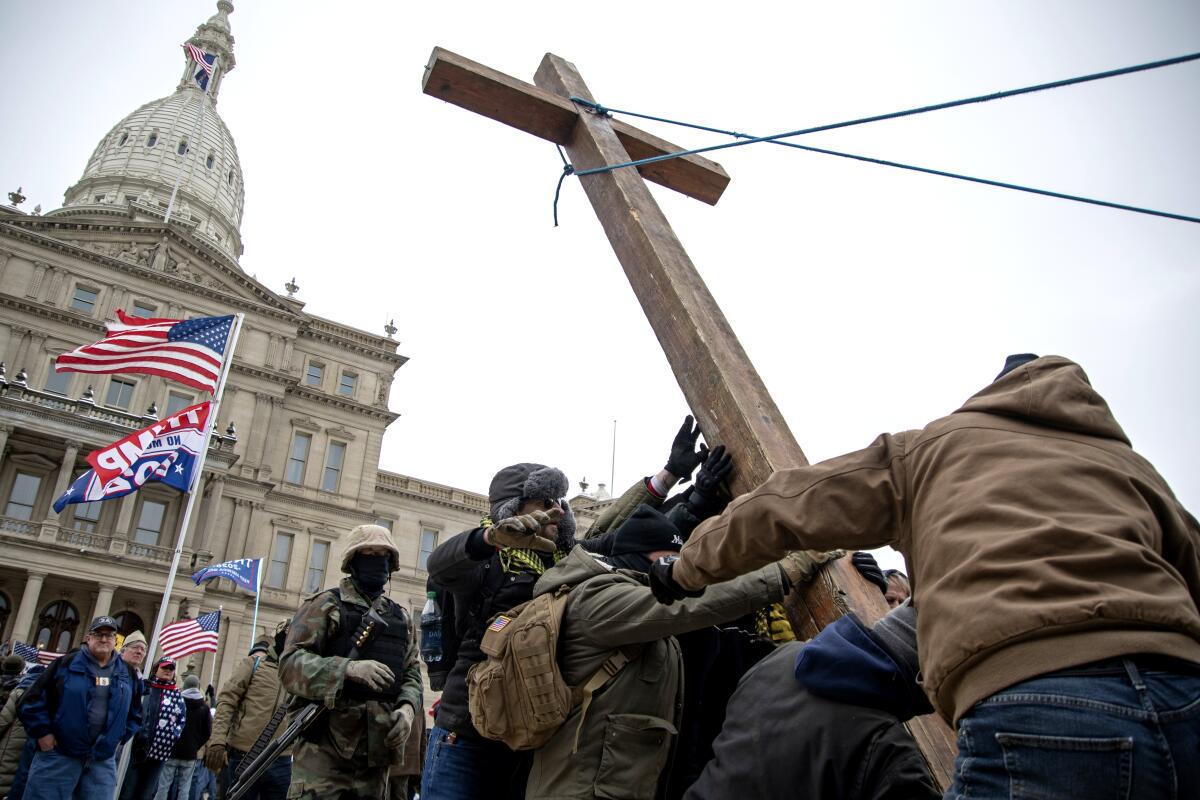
x=245 y=572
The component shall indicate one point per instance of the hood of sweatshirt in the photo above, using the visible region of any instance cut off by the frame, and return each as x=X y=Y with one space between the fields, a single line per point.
x=193 y=694
x=1051 y=391
x=847 y=663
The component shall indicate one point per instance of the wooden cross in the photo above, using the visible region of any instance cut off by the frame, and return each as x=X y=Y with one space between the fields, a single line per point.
x=720 y=384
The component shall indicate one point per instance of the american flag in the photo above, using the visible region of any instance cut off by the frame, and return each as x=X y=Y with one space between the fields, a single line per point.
x=25 y=651
x=207 y=62
x=46 y=656
x=191 y=636
x=188 y=351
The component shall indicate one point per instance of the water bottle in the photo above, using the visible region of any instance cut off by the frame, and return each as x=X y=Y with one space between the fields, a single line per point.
x=431 y=629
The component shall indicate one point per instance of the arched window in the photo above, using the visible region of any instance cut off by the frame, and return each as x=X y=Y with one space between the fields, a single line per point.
x=208 y=162
x=128 y=622
x=229 y=179
x=124 y=138
x=182 y=148
x=152 y=139
x=5 y=610
x=56 y=626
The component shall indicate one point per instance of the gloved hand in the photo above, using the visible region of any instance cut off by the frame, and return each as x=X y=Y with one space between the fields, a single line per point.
x=868 y=567
x=799 y=566
x=709 y=495
x=522 y=531
x=402 y=720
x=664 y=587
x=216 y=757
x=684 y=457
x=372 y=674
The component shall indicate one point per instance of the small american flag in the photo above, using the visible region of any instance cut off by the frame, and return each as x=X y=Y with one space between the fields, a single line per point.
x=46 y=656
x=207 y=62
x=188 y=351
x=499 y=623
x=191 y=636
x=25 y=651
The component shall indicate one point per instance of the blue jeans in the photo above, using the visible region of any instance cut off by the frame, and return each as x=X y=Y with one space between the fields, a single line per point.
x=54 y=776
x=1112 y=729
x=468 y=768
x=19 y=778
x=202 y=781
x=271 y=785
x=177 y=771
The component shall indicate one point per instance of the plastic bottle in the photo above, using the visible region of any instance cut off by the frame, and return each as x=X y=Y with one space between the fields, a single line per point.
x=431 y=629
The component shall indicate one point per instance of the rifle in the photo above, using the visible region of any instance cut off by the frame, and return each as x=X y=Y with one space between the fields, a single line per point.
x=248 y=773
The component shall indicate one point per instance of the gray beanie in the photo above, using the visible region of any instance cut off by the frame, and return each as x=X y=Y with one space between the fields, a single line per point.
x=529 y=481
x=191 y=682
x=898 y=633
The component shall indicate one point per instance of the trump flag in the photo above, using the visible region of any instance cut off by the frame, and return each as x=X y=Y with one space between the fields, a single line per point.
x=166 y=452
x=245 y=572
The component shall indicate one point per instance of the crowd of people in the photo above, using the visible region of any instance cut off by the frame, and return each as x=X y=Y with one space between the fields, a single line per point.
x=1051 y=618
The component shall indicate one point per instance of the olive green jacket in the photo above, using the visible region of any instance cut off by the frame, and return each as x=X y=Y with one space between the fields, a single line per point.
x=356 y=730
x=12 y=740
x=619 y=510
x=627 y=731
x=247 y=701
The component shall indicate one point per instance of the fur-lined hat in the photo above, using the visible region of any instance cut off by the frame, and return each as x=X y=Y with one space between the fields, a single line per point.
x=515 y=484
x=370 y=536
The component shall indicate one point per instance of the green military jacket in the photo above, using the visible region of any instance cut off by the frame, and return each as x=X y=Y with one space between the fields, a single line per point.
x=356 y=728
x=626 y=734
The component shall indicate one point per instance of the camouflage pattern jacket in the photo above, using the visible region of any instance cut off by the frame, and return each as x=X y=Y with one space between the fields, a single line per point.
x=356 y=729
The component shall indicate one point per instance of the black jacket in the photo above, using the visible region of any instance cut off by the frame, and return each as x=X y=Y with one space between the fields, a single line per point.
x=783 y=739
x=196 y=730
x=483 y=585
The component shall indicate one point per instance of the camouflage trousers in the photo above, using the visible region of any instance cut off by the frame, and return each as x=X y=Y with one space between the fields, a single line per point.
x=320 y=774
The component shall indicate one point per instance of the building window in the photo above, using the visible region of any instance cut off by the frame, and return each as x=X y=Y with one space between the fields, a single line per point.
x=280 y=556
x=301 y=443
x=86 y=516
x=124 y=139
x=346 y=383
x=208 y=162
x=56 y=627
x=318 y=560
x=182 y=148
x=229 y=180
x=84 y=299
x=176 y=402
x=152 y=139
x=334 y=459
x=143 y=310
x=150 y=522
x=120 y=393
x=429 y=539
x=384 y=523
x=23 y=496
x=100 y=198
x=315 y=374
x=57 y=382
x=128 y=622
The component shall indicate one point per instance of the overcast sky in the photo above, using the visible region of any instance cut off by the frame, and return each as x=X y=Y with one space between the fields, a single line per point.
x=869 y=299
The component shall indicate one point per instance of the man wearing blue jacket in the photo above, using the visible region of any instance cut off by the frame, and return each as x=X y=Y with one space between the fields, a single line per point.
x=78 y=711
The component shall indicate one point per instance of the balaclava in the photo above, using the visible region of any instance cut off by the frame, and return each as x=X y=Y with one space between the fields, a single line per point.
x=645 y=531
x=280 y=639
x=370 y=573
x=515 y=484
x=1014 y=361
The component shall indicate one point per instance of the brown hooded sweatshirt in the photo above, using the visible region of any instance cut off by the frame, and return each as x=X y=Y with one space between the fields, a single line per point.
x=1036 y=537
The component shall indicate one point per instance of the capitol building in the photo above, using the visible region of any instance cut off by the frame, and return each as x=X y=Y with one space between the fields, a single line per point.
x=294 y=462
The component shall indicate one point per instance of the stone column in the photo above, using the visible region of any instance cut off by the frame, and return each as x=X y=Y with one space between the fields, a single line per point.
x=173 y=609
x=231 y=649
x=27 y=611
x=5 y=430
x=103 y=602
x=261 y=424
x=64 y=476
x=236 y=547
x=212 y=509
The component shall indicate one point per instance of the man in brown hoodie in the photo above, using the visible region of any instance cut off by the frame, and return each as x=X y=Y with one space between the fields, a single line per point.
x=1056 y=575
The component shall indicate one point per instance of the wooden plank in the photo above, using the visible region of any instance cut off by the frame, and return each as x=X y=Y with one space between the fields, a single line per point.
x=552 y=117
x=718 y=380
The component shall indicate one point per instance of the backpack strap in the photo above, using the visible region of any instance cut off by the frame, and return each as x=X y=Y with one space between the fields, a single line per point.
x=615 y=662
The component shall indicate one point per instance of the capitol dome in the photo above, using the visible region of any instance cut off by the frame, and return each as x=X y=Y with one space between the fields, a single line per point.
x=179 y=138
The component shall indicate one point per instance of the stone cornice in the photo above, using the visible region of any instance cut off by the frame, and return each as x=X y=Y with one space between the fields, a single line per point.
x=301 y=392
x=52 y=313
x=342 y=512
x=351 y=339
x=446 y=496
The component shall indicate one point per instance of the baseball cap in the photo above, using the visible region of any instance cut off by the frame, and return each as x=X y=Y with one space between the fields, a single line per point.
x=103 y=621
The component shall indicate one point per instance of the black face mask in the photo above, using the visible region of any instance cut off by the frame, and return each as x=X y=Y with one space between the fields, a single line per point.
x=637 y=562
x=370 y=572
x=280 y=638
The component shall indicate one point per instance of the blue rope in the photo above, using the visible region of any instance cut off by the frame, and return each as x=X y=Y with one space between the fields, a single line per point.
x=877 y=118
x=567 y=170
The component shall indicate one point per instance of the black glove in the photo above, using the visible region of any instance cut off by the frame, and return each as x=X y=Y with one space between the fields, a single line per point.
x=664 y=587
x=868 y=567
x=709 y=496
x=684 y=456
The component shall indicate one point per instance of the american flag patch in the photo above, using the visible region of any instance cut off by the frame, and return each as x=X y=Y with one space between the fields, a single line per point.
x=499 y=623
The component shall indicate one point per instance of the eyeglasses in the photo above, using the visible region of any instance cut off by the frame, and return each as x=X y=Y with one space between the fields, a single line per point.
x=98 y=635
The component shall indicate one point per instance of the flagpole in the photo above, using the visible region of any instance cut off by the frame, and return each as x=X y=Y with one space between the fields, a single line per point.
x=192 y=140
x=257 y=594
x=212 y=672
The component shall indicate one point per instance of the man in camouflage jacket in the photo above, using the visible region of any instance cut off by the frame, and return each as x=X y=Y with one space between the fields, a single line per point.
x=372 y=700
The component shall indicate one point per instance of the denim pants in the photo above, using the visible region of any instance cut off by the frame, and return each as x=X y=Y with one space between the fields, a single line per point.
x=54 y=776
x=202 y=781
x=271 y=785
x=1120 y=729
x=177 y=771
x=468 y=768
x=18 y=784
